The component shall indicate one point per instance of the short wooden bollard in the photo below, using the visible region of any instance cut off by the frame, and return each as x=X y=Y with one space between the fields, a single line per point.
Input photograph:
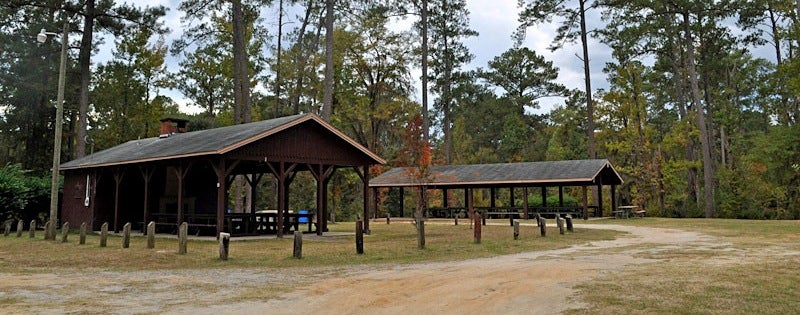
x=20 y=226
x=569 y=223
x=83 y=234
x=126 y=235
x=7 y=230
x=64 y=232
x=516 y=229
x=297 y=250
x=47 y=230
x=32 y=229
x=183 y=237
x=359 y=237
x=560 y=223
x=388 y=218
x=104 y=234
x=538 y=220
x=455 y=218
x=151 y=235
x=50 y=230
x=543 y=226
x=477 y=231
x=224 y=243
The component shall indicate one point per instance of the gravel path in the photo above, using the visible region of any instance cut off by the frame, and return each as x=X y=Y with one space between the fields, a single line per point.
x=526 y=283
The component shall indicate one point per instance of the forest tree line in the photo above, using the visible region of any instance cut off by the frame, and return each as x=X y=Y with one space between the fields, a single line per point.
x=696 y=123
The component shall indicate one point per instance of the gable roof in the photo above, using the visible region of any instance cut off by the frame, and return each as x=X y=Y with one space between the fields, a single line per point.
x=572 y=172
x=203 y=142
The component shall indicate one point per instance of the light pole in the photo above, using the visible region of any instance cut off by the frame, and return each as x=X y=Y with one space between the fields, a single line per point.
x=42 y=37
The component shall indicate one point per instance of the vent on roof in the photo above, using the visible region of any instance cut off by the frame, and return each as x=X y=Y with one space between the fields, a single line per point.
x=173 y=125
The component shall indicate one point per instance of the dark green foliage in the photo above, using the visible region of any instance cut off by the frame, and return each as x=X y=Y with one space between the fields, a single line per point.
x=23 y=196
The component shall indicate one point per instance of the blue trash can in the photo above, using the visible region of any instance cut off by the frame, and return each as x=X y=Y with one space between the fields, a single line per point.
x=303 y=216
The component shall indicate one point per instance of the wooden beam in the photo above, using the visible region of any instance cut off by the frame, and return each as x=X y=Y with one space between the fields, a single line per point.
x=560 y=196
x=180 y=173
x=544 y=196
x=525 y=208
x=147 y=174
x=222 y=170
x=613 y=198
x=365 y=179
x=585 y=201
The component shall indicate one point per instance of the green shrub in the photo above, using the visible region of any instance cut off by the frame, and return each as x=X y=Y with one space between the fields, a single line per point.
x=22 y=196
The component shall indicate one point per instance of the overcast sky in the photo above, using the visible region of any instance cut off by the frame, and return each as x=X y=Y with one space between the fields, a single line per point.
x=494 y=20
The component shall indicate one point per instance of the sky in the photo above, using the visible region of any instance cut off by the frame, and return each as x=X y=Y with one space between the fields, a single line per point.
x=494 y=20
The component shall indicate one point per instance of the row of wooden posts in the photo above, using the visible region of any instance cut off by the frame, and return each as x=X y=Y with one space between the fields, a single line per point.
x=224 y=238
x=563 y=223
x=183 y=239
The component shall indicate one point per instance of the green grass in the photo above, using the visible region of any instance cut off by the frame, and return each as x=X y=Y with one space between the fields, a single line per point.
x=395 y=243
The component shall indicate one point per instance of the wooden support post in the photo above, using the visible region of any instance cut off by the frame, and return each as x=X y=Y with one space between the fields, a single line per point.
x=64 y=232
x=613 y=197
x=471 y=207
x=180 y=174
x=544 y=196
x=525 y=203
x=360 y=237
x=543 y=226
x=366 y=198
x=402 y=202
x=104 y=234
x=600 y=199
x=297 y=249
x=516 y=229
x=20 y=226
x=225 y=241
x=82 y=239
x=32 y=229
x=118 y=175
x=183 y=238
x=560 y=196
x=560 y=223
x=492 y=197
x=585 y=203
x=477 y=230
x=151 y=235
x=569 y=223
x=147 y=174
x=126 y=235
x=511 y=198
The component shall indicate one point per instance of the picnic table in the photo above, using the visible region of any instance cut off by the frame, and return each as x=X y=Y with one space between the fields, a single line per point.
x=624 y=212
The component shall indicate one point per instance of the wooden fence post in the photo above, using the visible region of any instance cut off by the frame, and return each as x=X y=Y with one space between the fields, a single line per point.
x=183 y=237
x=32 y=229
x=359 y=237
x=477 y=231
x=104 y=234
x=151 y=235
x=7 y=229
x=64 y=232
x=516 y=229
x=569 y=223
x=543 y=226
x=225 y=241
x=82 y=239
x=20 y=226
x=126 y=235
x=388 y=217
x=560 y=223
x=297 y=250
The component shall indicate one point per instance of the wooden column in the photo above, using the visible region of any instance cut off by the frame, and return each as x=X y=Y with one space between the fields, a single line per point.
x=402 y=202
x=253 y=180
x=560 y=196
x=613 y=198
x=180 y=174
x=600 y=196
x=470 y=204
x=585 y=201
x=525 y=208
x=544 y=196
x=511 y=197
x=325 y=211
x=321 y=174
x=118 y=176
x=222 y=170
x=147 y=174
x=365 y=178
x=445 y=202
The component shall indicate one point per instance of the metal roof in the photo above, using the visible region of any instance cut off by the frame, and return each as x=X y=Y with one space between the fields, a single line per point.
x=203 y=142
x=548 y=173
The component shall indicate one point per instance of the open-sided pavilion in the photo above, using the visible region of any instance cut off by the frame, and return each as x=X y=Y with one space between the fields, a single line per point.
x=185 y=176
x=572 y=173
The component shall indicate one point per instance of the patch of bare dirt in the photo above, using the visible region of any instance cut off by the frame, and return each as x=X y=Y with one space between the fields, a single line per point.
x=527 y=283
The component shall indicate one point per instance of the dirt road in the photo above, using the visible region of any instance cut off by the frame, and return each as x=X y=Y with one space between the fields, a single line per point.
x=527 y=283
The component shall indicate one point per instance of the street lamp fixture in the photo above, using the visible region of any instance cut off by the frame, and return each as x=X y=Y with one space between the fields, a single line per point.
x=42 y=37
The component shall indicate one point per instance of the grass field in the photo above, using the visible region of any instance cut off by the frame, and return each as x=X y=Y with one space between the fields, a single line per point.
x=393 y=243
x=753 y=268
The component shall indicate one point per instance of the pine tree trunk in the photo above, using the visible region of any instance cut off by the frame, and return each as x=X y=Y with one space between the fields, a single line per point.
x=84 y=62
x=327 y=99
x=424 y=48
x=701 y=120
